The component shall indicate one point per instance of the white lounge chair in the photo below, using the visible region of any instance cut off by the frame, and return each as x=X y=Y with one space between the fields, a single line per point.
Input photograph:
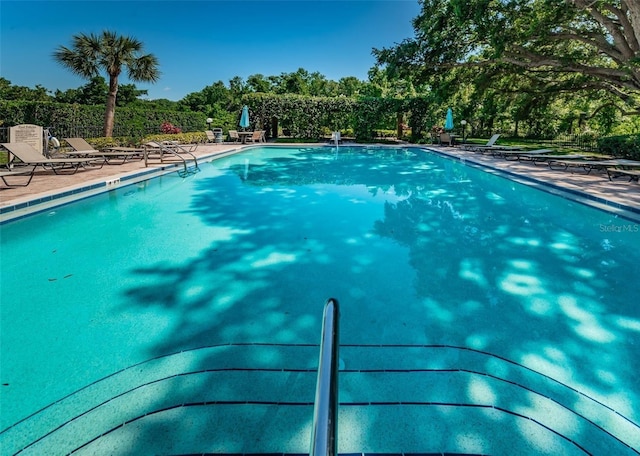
x=81 y=148
x=609 y=166
x=632 y=174
x=4 y=174
x=28 y=155
x=546 y=158
x=520 y=154
x=490 y=143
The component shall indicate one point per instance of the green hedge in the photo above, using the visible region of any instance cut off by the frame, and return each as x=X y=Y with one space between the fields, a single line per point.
x=624 y=146
x=304 y=116
x=100 y=143
x=312 y=117
x=86 y=121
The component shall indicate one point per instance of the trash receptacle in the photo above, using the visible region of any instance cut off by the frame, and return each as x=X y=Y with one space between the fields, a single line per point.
x=218 y=134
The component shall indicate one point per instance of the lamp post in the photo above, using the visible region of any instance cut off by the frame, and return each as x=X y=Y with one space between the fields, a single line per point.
x=464 y=129
x=209 y=120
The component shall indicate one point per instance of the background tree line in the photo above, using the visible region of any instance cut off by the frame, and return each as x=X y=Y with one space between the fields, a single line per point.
x=219 y=101
x=548 y=66
x=522 y=68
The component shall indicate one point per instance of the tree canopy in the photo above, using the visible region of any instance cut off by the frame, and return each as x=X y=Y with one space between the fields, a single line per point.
x=548 y=47
x=9 y=91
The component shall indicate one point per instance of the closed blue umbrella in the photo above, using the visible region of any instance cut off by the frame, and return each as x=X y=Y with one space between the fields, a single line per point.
x=448 y=124
x=244 y=118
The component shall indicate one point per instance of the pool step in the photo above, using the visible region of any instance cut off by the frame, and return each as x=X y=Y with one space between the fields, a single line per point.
x=258 y=398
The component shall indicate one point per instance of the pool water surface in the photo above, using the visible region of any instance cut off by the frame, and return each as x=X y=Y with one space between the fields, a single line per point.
x=440 y=264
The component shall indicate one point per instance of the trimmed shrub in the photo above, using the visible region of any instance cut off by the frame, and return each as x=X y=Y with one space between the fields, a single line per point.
x=185 y=138
x=311 y=117
x=70 y=120
x=624 y=146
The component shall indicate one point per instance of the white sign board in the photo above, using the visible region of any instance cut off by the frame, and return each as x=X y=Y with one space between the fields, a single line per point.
x=27 y=133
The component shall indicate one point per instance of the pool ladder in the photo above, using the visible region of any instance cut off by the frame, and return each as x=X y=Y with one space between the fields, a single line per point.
x=174 y=149
x=324 y=431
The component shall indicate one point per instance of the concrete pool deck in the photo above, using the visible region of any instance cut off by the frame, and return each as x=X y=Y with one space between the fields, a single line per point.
x=618 y=194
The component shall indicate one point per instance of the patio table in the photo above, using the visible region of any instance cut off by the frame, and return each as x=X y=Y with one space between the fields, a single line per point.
x=244 y=135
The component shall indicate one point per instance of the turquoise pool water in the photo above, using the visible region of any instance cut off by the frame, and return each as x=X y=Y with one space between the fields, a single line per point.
x=420 y=250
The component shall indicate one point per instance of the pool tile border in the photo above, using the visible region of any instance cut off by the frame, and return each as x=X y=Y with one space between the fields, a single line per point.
x=86 y=191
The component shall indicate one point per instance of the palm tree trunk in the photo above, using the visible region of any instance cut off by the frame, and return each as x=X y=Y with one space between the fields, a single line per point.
x=109 y=113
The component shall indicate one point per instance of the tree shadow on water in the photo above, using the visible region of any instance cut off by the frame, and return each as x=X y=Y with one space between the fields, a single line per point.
x=418 y=252
x=532 y=279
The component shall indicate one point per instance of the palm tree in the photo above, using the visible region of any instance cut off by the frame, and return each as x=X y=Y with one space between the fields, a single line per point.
x=108 y=52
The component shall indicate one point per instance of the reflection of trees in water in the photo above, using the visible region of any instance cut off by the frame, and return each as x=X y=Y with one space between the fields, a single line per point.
x=457 y=222
x=378 y=169
x=442 y=230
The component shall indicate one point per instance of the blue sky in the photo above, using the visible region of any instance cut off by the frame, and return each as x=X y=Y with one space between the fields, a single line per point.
x=200 y=42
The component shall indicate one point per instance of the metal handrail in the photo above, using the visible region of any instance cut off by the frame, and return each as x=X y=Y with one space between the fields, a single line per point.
x=164 y=149
x=324 y=432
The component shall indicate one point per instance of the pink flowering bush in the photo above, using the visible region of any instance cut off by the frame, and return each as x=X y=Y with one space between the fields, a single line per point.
x=169 y=128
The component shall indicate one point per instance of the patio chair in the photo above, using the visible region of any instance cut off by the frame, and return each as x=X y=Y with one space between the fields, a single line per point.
x=28 y=155
x=614 y=167
x=80 y=145
x=589 y=165
x=489 y=143
x=508 y=154
x=446 y=139
x=4 y=174
x=211 y=137
x=255 y=137
x=546 y=158
x=81 y=148
x=182 y=147
x=234 y=136
x=632 y=174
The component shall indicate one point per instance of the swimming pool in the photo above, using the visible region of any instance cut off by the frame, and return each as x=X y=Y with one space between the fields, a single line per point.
x=478 y=314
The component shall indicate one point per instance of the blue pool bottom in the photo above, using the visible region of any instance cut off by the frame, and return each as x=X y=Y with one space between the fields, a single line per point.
x=419 y=250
